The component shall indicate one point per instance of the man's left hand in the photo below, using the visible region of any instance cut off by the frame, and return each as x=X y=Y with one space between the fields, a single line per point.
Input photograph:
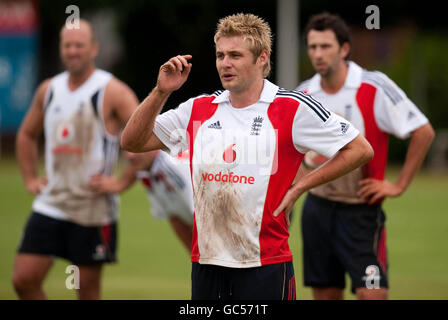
x=287 y=205
x=372 y=190
x=104 y=184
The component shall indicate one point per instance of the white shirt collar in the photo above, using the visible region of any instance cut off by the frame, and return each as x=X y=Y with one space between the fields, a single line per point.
x=267 y=94
x=353 y=79
x=354 y=75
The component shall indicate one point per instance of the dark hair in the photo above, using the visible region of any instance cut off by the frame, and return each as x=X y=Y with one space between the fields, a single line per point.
x=325 y=21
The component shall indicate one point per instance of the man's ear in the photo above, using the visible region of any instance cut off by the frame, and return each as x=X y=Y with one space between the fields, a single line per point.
x=263 y=58
x=95 y=50
x=345 y=50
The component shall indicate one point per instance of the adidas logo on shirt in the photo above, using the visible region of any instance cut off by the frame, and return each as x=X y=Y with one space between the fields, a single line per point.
x=215 y=125
x=344 y=127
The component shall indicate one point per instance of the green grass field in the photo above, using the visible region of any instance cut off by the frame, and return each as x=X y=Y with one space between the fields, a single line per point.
x=154 y=265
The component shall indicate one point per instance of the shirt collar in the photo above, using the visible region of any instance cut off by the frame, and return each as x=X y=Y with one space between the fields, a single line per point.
x=267 y=94
x=354 y=75
x=353 y=79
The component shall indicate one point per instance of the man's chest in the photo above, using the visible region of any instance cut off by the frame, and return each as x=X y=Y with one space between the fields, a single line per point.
x=235 y=140
x=345 y=104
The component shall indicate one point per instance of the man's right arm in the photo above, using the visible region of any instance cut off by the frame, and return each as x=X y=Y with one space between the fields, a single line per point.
x=138 y=134
x=27 y=141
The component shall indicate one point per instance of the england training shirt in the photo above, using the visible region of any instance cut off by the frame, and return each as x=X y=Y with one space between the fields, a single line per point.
x=242 y=162
x=377 y=107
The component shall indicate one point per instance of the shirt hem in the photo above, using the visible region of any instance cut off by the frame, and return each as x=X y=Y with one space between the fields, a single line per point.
x=48 y=211
x=243 y=264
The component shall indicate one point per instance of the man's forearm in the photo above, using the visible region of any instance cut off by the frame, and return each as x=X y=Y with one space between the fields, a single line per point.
x=421 y=140
x=127 y=178
x=26 y=154
x=355 y=154
x=301 y=172
x=140 y=126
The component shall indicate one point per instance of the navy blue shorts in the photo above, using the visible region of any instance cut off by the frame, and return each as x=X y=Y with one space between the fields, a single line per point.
x=341 y=238
x=79 y=244
x=269 y=282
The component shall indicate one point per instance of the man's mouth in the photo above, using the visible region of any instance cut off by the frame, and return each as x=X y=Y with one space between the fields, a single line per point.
x=227 y=76
x=73 y=59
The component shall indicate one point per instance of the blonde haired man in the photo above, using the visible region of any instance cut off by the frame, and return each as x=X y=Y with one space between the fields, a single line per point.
x=245 y=144
x=253 y=29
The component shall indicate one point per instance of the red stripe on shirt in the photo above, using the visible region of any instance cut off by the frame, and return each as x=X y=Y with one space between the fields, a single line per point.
x=274 y=233
x=203 y=109
x=375 y=168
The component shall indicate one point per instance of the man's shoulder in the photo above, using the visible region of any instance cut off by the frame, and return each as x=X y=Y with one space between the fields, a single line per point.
x=57 y=78
x=103 y=74
x=309 y=85
x=215 y=97
x=101 y=78
x=42 y=89
x=214 y=94
x=45 y=84
x=374 y=76
x=115 y=86
x=305 y=100
x=380 y=81
x=295 y=95
x=304 y=85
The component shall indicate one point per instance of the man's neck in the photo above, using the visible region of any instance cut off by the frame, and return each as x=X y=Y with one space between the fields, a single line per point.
x=75 y=80
x=247 y=97
x=334 y=81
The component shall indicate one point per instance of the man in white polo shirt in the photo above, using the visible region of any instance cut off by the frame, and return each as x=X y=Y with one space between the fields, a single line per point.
x=342 y=222
x=81 y=112
x=246 y=144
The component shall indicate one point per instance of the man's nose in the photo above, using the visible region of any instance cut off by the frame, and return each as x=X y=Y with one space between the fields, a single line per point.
x=318 y=52
x=226 y=61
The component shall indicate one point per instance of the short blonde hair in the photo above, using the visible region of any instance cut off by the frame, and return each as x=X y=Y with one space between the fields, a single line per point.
x=252 y=28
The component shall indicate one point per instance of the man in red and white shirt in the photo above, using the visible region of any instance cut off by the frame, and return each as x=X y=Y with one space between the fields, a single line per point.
x=246 y=144
x=342 y=222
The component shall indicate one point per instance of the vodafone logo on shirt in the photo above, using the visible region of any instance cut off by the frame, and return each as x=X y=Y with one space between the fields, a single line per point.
x=65 y=135
x=228 y=177
x=230 y=157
